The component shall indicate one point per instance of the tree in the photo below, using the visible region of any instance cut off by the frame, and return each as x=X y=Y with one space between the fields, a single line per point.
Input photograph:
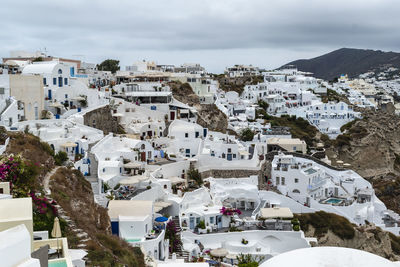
x=248 y=260
x=109 y=65
x=195 y=175
x=247 y=135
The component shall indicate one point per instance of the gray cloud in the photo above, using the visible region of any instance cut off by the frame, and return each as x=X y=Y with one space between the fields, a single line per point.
x=215 y=33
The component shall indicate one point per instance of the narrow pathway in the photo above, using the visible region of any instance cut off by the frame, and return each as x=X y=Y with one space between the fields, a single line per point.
x=82 y=235
x=46 y=180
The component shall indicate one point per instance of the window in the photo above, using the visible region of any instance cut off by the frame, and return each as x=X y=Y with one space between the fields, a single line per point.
x=66 y=96
x=277 y=180
x=212 y=220
x=145 y=228
x=1 y=90
x=60 y=82
x=104 y=169
x=44 y=81
x=186 y=135
x=54 y=81
x=229 y=150
x=234 y=156
x=143 y=146
x=294 y=149
x=60 y=71
x=283 y=180
x=65 y=81
x=296 y=180
x=197 y=134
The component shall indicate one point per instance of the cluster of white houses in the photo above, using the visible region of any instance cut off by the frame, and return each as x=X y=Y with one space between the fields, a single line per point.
x=162 y=173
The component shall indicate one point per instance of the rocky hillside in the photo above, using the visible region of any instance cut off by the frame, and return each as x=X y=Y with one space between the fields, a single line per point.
x=84 y=223
x=348 y=61
x=90 y=222
x=334 y=230
x=237 y=83
x=372 y=147
x=209 y=115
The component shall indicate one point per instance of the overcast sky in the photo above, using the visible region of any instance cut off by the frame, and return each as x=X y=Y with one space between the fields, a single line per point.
x=215 y=33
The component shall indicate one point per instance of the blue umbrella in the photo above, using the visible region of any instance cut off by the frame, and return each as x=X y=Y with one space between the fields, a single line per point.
x=161 y=219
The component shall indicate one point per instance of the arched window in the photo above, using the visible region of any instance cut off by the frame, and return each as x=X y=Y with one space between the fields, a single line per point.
x=60 y=71
x=296 y=191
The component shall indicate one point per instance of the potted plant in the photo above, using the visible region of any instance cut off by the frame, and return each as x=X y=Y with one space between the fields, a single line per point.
x=244 y=241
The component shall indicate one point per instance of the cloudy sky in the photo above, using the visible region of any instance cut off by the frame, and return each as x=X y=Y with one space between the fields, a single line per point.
x=215 y=33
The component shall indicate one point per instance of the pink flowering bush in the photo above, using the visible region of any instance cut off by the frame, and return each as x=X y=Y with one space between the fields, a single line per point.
x=229 y=211
x=19 y=174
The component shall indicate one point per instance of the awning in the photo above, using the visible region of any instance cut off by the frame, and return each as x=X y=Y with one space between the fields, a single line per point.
x=133 y=180
x=132 y=165
x=176 y=180
x=117 y=115
x=219 y=252
x=69 y=144
x=162 y=204
x=56 y=105
x=271 y=213
x=79 y=98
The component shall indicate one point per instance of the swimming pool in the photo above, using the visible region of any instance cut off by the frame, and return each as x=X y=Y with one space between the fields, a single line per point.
x=58 y=263
x=333 y=200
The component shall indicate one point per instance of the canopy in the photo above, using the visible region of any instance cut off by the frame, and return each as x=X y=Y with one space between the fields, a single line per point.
x=56 y=232
x=162 y=204
x=56 y=105
x=176 y=180
x=271 y=213
x=79 y=98
x=132 y=165
x=231 y=257
x=131 y=180
x=219 y=252
x=69 y=144
x=161 y=219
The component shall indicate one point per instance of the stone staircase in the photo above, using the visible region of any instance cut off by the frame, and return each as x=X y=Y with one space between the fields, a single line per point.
x=180 y=253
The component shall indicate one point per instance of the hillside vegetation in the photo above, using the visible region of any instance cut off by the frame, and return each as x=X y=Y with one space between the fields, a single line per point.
x=25 y=165
x=334 y=230
x=347 y=61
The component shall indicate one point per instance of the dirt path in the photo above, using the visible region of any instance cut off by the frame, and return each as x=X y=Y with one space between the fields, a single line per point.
x=46 y=179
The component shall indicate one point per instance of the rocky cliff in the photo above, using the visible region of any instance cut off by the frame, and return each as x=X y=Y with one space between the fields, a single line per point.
x=372 y=147
x=209 y=116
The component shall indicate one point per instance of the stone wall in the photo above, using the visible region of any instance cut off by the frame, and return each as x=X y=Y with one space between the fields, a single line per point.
x=102 y=119
x=229 y=173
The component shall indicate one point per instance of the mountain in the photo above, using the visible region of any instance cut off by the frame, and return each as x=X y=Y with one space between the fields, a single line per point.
x=350 y=61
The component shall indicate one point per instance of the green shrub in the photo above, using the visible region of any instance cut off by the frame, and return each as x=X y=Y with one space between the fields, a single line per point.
x=247 y=135
x=195 y=175
x=201 y=225
x=60 y=158
x=323 y=221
